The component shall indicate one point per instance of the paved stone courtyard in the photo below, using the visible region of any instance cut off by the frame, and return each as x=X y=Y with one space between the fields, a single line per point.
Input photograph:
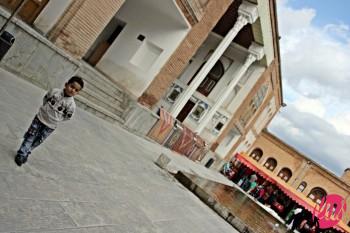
x=89 y=176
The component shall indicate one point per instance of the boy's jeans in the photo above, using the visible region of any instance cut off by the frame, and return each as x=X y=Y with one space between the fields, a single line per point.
x=35 y=135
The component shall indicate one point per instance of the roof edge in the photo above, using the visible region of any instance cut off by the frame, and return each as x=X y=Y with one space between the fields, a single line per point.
x=274 y=23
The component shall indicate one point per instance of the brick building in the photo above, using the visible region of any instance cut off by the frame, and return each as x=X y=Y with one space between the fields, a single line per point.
x=212 y=66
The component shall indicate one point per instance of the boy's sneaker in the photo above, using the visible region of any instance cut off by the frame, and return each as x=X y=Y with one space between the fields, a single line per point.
x=19 y=160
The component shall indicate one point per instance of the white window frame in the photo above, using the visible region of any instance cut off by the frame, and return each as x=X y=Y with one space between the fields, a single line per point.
x=174 y=88
x=217 y=119
x=199 y=104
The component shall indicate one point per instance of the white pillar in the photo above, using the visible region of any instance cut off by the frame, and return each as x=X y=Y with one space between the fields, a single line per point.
x=248 y=13
x=256 y=52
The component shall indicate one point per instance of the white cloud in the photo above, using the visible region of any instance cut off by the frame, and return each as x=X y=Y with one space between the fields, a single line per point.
x=316 y=75
x=341 y=123
x=314 y=54
x=314 y=137
x=340 y=31
x=313 y=106
x=294 y=19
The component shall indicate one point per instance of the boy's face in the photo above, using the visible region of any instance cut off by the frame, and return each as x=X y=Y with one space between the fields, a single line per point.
x=72 y=89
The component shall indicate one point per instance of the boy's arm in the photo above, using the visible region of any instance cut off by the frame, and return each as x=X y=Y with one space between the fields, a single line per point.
x=68 y=113
x=47 y=96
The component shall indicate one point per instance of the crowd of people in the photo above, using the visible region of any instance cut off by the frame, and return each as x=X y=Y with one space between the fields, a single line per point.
x=267 y=194
x=261 y=190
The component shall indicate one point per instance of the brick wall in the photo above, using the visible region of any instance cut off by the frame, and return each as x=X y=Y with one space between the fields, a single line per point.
x=82 y=23
x=188 y=47
x=284 y=157
x=64 y=20
x=192 y=9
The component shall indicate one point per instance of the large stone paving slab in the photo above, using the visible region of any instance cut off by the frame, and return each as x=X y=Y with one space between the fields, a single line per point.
x=16 y=215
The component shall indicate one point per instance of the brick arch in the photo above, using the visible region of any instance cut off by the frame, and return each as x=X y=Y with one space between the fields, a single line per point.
x=256 y=154
x=285 y=174
x=271 y=163
x=316 y=194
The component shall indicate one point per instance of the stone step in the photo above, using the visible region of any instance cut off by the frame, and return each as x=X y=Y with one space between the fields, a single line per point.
x=101 y=82
x=110 y=104
x=111 y=92
x=103 y=96
x=101 y=112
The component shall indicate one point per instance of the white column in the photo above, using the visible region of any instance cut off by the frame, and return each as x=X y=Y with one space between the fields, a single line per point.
x=256 y=52
x=248 y=13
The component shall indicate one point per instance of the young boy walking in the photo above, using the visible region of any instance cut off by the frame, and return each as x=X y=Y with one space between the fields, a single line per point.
x=58 y=105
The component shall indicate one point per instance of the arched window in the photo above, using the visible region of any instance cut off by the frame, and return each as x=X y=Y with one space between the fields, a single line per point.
x=285 y=174
x=270 y=164
x=256 y=154
x=316 y=194
x=302 y=186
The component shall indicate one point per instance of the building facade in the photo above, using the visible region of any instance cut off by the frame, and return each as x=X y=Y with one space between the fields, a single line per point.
x=213 y=66
x=302 y=175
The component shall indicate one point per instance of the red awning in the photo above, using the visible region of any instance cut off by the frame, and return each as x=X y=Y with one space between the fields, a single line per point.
x=284 y=187
x=254 y=168
x=295 y=197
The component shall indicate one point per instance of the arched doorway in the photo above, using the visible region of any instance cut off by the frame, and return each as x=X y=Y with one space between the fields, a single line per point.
x=316 y=194
x=212 y=79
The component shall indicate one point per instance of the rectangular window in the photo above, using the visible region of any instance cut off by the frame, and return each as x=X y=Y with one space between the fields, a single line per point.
x=174 y=93
x=219 y=126
x=199 y=111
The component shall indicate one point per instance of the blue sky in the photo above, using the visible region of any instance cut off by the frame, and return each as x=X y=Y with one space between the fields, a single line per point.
x=315 y=62
x=328 y=11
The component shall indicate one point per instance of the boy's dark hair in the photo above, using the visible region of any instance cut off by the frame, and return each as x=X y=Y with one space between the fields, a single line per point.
x=76 y=79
